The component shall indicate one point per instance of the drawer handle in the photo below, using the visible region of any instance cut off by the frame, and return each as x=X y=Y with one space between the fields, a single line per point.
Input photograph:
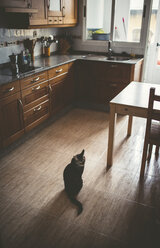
x=114 y=66
x=36 y=88
x=11 y=89
x=114 y=85
x=63 y=11
x=50 y=88
x=35 y=80
x=60 y=70
x=37 y=109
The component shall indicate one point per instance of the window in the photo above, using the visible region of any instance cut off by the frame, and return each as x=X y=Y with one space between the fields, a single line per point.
x=118 y=20
x=98 y=19
x=128 y=20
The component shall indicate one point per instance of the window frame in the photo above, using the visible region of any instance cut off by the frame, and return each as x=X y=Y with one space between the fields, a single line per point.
x=122 y=45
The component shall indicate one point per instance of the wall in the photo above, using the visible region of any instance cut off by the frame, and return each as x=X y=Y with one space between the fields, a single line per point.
x=11 y=35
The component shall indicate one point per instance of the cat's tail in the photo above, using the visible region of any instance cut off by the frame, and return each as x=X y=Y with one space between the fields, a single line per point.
x=78 y=204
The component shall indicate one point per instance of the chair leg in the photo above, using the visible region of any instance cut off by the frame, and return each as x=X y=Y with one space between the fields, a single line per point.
x=149 y=152
x=157 y=149
x=145 y=148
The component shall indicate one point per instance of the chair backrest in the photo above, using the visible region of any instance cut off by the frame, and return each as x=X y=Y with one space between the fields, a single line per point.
x=152 y=113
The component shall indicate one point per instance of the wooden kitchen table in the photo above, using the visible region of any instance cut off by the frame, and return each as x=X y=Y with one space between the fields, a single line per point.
x=132 y=101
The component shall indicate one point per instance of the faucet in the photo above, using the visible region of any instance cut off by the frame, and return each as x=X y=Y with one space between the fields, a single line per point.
x=110 y=51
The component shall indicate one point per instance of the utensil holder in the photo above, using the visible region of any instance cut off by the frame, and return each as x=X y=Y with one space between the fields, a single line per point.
x=47 y=51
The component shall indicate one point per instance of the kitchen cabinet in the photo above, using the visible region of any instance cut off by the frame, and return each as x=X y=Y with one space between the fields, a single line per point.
x=70 y=11
x=69 y=87
x=62 y=12
x=99 y=82
x=56 y=7
x=39 y=18
x=11 y=113
x=57 y=79
x=35 y=99
x=14 y=3
x=39 y=13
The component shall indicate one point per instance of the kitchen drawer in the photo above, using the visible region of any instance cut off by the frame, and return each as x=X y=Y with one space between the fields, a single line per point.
x=35 y=93
x=36 y=115
x=130 y=110
x=57 y=71
x=55 y=20
x=9 y=89
x=33 y=80
x=58 y=79
x=115 y=72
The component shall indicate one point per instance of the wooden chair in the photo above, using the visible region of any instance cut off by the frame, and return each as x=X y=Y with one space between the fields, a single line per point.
x=152 y=134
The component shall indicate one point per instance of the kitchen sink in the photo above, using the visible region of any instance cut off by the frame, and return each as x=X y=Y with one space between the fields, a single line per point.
x=105 y=58
x=118 y=58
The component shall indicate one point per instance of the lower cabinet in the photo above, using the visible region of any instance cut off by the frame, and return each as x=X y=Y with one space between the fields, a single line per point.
x=36 y=115
x=26 y=103
x=57 y=93
x=35 y=99
x=11 y=117
x=69 y=86
x=62 y=87
x=99 y=82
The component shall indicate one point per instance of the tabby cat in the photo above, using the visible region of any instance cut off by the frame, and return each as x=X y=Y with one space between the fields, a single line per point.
x=72 y=176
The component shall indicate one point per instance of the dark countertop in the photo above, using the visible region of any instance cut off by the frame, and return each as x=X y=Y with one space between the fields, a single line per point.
x=45 y=63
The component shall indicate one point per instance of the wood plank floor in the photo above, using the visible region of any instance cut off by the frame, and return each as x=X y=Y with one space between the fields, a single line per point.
x=119 y=210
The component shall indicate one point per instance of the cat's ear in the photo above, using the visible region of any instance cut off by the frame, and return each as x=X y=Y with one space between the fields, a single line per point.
x=82 y=153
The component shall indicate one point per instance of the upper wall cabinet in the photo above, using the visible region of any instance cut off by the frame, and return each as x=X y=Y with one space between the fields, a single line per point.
x=70 y=11
x=62 y=12
x=18 y=6
x=14 y=3
x=39 y=18
x=55 y=8
x=38 y=13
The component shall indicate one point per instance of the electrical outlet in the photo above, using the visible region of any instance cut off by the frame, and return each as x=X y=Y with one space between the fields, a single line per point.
x=34 y=34
x=18 y=32
x=2 y=45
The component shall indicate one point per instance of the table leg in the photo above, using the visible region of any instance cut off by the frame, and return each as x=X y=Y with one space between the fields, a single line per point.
x=129 y=125
x=112 y=121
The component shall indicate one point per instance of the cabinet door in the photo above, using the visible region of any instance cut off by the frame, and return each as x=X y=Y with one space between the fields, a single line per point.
x=70 y=11
x=55 y=8
x=69 y=86
x=82 y=81
x=39 y=18
x=1 y=128
x=35 y=95
x=14 y=3
x=36 y=115
x=11 y=112
x=57 y=93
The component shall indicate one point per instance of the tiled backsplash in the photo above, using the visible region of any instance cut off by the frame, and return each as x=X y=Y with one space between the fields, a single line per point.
x=12 y=35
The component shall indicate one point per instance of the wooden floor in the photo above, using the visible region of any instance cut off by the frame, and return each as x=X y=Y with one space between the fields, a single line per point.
x=119 y=210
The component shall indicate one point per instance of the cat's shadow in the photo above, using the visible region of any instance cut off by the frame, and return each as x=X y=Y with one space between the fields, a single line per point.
x=49 y=221
x=58 y=205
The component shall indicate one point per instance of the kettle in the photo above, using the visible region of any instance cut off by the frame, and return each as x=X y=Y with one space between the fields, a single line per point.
x=14 y=64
